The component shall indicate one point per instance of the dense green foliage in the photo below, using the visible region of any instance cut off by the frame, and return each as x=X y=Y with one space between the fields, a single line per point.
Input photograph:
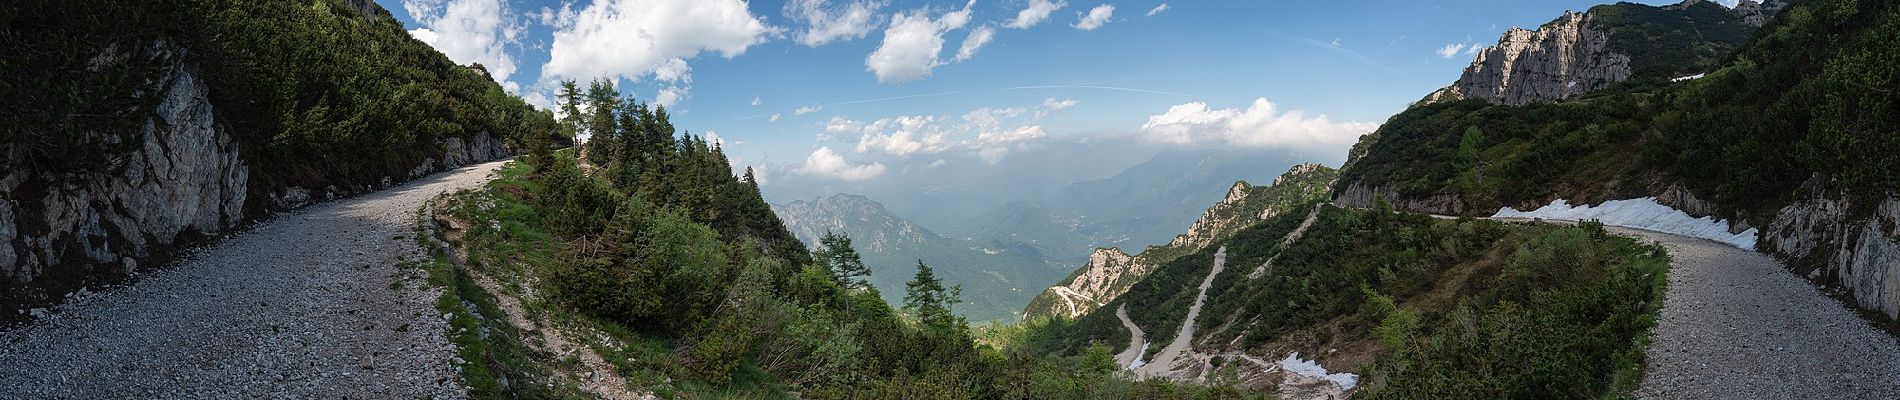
x=1812 y=95
x=315 y=92
x=66 y=109
x=1667 y=42
x=1566 y=316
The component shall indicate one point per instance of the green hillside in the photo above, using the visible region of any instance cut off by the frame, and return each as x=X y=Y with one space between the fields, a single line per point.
x=1404 y=299
x=1804 y=99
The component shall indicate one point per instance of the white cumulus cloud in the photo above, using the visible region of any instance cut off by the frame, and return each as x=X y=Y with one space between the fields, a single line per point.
x=1260 y=125
x=635 y=38
x=807 y=109
x=775 y=117
x=1096 y=17
x=1451 y=50
x=978 y=37
x=912 y=43
x=825 y=163
x=827 y=22
x=1051 y=106
x=669 y=96
x=756 y=101
x=468 y=31
x=903 y=136
x=1158 y=9
x=1037 y=12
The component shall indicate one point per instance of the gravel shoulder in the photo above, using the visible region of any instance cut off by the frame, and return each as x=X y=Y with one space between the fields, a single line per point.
x=1736 y=324
x=310 y=304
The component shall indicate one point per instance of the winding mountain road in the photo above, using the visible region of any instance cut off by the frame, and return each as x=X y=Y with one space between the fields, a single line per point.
x=310 y=304
x=1163 y=364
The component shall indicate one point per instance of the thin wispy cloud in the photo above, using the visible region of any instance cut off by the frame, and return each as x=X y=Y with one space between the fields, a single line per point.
x=1329 y=46
x=1158 y=9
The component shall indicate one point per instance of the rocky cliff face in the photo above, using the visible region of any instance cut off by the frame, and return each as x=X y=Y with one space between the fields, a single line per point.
x=184 y=181
x=1758 y=13
x=1830 y=241
x=1110 y=271
x=1563 y=59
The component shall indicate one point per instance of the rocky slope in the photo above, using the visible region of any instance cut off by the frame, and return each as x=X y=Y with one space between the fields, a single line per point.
x=1110 y=271
x=1579 y=53
x=177 y=175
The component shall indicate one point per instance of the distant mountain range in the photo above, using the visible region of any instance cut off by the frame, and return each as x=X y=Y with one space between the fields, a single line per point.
x=997 y=276
x=1006 y=253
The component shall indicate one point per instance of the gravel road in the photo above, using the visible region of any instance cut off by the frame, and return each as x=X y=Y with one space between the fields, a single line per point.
x=1137 y=340
x=305 y=305
x=1181 y=349
x=1737 y=325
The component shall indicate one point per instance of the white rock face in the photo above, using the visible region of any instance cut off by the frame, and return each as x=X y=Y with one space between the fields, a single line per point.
x=1644 y=213
x=1560 y=60
x=184 y=178
x=1862 y=255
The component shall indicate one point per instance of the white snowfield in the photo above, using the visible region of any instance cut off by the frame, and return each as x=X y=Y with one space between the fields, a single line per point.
x=1293 y=363
x=1644 y=213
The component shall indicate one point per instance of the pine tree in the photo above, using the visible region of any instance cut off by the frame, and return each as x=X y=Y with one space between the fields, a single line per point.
x=570 y=96
x=602 y=100
x=926 y=296
x=847 y=269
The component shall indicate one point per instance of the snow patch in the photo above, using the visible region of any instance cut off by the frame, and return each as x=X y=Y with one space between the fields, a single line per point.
x=1138 y=361
x=1311 y=369
x=1644 y=213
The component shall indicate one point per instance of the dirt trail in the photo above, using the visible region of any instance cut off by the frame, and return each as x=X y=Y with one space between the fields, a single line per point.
x=310 y=304
x=1163 y=363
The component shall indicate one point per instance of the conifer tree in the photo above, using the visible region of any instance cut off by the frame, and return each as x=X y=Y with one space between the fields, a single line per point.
x=926 y=296
x=847 y=269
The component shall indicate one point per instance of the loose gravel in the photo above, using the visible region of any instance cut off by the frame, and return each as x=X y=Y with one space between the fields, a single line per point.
x=310 y=304
x=1736 y=324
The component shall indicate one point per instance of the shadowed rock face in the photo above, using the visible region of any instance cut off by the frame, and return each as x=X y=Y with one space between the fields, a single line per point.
x=184 y=180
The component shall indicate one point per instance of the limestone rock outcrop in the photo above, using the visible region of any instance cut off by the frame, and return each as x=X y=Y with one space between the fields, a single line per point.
x=1838 y=245
x=184 y=180
x=1563 y=59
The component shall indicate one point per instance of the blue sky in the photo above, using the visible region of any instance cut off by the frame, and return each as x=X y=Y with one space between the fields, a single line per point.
x=852 y=91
